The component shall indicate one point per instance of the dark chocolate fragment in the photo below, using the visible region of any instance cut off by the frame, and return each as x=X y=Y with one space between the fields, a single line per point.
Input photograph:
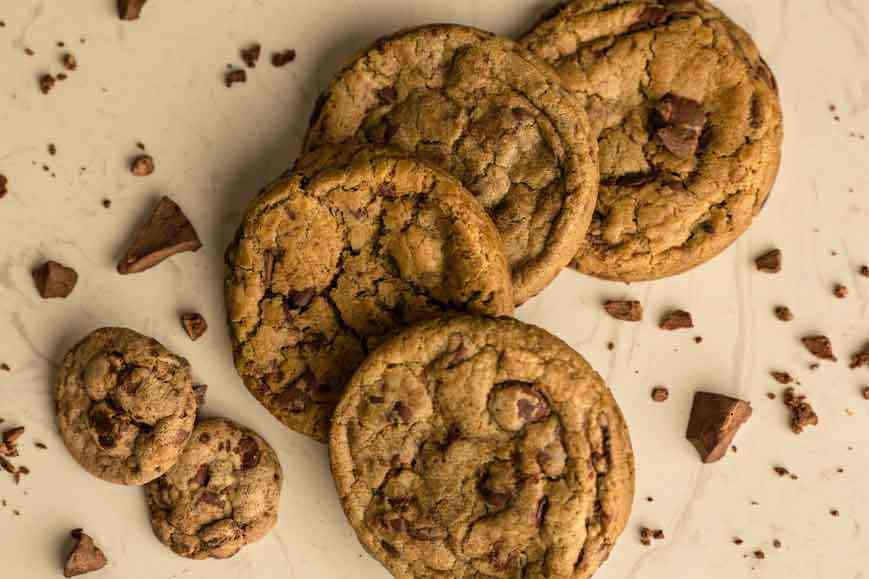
x=677 y=320
x=85 y=557
x=625 y=310
x=660 y=394
x=715 y=420
x=234 y=76
x=769 y=262
x=784 y=313
x=802 y=413
x=194 y=324
x=167 y=232
x=130 y=9
x=142 y=166
x=280 y=59
x=250 y=55
x=820 y=347
x=54 y=280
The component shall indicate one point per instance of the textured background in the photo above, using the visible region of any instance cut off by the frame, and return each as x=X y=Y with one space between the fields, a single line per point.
x=159 y=80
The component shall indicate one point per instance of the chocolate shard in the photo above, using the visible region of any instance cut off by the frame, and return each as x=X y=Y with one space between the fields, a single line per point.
x=167 y=232
x=85 y=557
x=820 y=347
x=677 y=320
x=769 y=262
x=194 y=324
x=54 y=280
x=130 y=9
x=625 y=310
x=714 y=421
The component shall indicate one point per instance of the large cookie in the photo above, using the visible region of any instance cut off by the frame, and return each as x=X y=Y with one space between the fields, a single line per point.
x=222 y=494
x=125 y=405
x=689 y=124
x=472 y=447
x=354 y=244
x=491 y=114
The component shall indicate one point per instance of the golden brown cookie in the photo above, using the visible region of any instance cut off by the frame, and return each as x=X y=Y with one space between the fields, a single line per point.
x=491 y=114
x=222 y=494
x=354 y=244
x=125 y=405
x=476 y=447
x=689 y=124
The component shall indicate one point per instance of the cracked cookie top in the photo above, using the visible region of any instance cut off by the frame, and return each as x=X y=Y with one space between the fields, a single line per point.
x=475 y=447
x=491 y=114
x=353 y=244
x=222 y=494
x=689 y=124
x=125 y=405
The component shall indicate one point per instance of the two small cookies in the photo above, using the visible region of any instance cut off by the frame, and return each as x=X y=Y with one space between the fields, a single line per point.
x=126 y=412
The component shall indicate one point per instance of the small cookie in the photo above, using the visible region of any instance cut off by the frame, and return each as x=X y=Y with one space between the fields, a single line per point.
x=125 y=405
x=353 y=245
x=491 y=114
x=222 y=494
x=689 y=124
x=475 y=447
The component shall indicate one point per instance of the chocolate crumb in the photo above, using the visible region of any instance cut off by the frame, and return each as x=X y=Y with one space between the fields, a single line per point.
x=782 y=377
x=802 y=413
x=698 y=339
x=130 y=9
x=234 y=76
x=770 y=395
x=769 y=262
x=784 y=313
x=820 y=347
x=864 y=271
x=625 y=310
x=29 y=51
x=5 y=367
x=251 y=54
x=783 y=472
x=677 y=320
x=834 y=512
x=54 y=280
x=759 y=554
x=52 y=149
x=283 y=58
x=40 y=446
x=814 y=366
x=860 y=359
x=4 y=182
x=866 y=392
x=660 y=394
x=140 y=145
x=142 y=166
x=776 y=543
x=610 y=346
x=840 y=291
x=737 y=541
x=194 y=324
x=46 y=83
x=69 y=61
x=650 y=499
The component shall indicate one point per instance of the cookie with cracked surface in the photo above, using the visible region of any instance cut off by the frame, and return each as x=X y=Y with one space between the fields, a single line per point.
x=689 y=124
x=475 y=447
x=491 y=114
x=125 y=405
x=354 y=244
x=222 y=494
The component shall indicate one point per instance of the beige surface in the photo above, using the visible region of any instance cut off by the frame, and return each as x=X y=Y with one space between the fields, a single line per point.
x=214 y=147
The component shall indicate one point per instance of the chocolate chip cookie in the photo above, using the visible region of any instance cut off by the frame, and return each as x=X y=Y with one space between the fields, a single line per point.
x=354 y=244
x=472 y=447
x=491 y=114
x=689 y=124
x=125 y=405
x=222 y=494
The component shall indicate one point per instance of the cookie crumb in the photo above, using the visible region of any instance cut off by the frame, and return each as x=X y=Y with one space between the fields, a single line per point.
x=280 y=59
x=54 y=280
x=234 y=76
x=251 y=54
x=69 y=61
x=660 y=394
x=647 y=534
x=142 y=166
x=820 y=347
x=769 y=262
x=784 y=313
x=802 y=413
x=194 y=324
x=840 y=291
x=46 y=83
x=624 y=310
x=677 y=320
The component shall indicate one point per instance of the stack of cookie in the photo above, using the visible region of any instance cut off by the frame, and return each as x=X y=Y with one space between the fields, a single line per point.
x=447 y=170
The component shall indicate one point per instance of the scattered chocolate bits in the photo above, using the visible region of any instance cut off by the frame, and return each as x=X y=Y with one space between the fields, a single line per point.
x=647 y=534
x=784 y=313
x=142 y=166
x=714 y=422
x=46 y=83
x=610 y=346
x=802 y=413
x=130 y=9
x=860 y=359
x=69 y=61
x=85 y=556
x=194 y=324
x=251 y=54
x=234 y=76
x=683 y=120
x=625 y=310
x=280 y=59
x=769 y=262
x=783 y=472
x=660 y=394
x=5 y=368
x=840 y=291
x=782 y=377
x=820 y=347
x=54 y=280
x=167 y=232
x=677 y=320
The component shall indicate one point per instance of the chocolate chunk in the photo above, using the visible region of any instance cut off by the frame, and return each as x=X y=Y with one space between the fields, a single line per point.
x=834 y=512
x=769 y=262
x=11 y=436
x=860 y=359
x=680 y=141
x=85 y=557
x=784 y=313
x=4 y=184
x=283 y=58
x=840 y=291
x=250 y=55
x=782 y=377
x=677 y=320
x=864 y=271
x=625 y=310
x=166 y=233
x=820 y=347
x=142 y=166
x=234 y=76
x=194 y=324
x=660 y=394
x=130 y=9
x=69 y=62
x=679 y=111
x=300 y=299
x=759 y=554
x=714 y=421
x=802 y=413
x=210 y=498
x=199 y=391
x=532 y=407
x=54 y=280
x=540 y=513
x=202 y=475
x=46 y=83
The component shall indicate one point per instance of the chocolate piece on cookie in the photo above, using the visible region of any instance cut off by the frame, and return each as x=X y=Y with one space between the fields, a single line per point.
x=167 y=232
x=714 y=422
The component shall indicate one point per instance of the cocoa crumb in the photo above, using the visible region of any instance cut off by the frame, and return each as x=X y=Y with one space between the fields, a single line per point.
x=864 y=271
x=283 y=58
x=40 y=446
x=52 y=149
x=866 y=392
x=802 y=413
x=142 y=166
x=660 y=394
x=610 y=346
x=107 y=203
x=776 y=543
x=4 y=182
x=820 y=347
x=737 y=541
x=61 y=76
x=194 y=324
x=29 y=51
x=840 y=291
x=129 y=9
x=784 y=313
x=759 y=554
x=5 y=367
x=69 y=61
x=647 y=534
x=251 y=54
x=769 y=262
x=234 y=76
x=677 y=320
x=782 y=377
x=46 y=83
x=698 y=339
x=860 y=359
x=624 y=310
